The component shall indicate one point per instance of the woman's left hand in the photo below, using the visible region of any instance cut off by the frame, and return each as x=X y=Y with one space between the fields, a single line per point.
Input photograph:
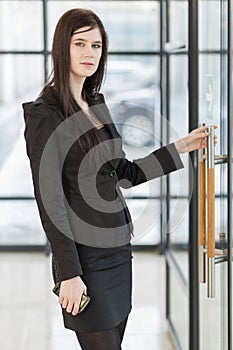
x=195 y=140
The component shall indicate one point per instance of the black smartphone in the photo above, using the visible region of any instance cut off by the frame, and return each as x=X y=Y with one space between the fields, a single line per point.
x=84 y=300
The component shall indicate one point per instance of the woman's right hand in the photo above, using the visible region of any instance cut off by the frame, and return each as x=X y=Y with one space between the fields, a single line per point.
x=70 y=295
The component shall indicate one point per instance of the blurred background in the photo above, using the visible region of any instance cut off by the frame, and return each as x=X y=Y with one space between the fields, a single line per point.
x=147 y=89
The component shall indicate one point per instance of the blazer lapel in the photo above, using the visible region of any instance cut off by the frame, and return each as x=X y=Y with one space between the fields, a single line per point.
x=102 y=113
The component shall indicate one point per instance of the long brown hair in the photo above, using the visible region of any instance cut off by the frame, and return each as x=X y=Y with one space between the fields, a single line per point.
x=70 y=22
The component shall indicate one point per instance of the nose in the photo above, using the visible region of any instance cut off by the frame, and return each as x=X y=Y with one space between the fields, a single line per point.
x=88 y=51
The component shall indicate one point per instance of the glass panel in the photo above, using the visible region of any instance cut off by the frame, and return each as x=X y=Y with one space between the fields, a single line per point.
x=179 y=24
x=22 y=77
x=21 y=25
x=178 y=125
x=209 y=92
x=129 y=24
x=179 y=233
x=211 y=24
x=146 y=219
x=178 y=220
x=133 y=73
x=17 y=86
x=213 y=312
x=212 y=110
x=15 y=173
x=179 y=309
x=132 y=92
x=25 y=228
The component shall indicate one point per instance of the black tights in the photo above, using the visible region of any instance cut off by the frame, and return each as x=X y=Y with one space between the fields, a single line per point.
x=109 y=339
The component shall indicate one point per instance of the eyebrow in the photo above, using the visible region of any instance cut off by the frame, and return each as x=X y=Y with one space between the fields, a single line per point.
x=81 y=39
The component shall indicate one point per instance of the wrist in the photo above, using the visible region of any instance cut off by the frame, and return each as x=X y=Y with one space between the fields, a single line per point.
x=178 y=146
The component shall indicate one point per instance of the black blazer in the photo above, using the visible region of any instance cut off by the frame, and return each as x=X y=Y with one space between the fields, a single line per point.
x=79 y=202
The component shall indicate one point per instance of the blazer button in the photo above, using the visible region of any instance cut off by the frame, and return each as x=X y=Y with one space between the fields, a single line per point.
x=112 y=173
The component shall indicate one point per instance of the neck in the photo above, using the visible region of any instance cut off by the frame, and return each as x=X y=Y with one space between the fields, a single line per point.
x=76 y=87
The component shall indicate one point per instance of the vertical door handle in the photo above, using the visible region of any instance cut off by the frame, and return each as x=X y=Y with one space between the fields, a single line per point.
x=202 y=213
x=210 y=214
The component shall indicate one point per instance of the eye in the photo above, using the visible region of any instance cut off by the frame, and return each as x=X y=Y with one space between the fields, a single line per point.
x=79 y=43
x=96 y=46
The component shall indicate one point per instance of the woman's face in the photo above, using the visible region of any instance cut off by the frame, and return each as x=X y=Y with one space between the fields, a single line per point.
x=85 y=52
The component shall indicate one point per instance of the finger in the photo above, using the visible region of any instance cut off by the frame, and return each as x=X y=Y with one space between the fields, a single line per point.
x=75 y=308
x=199 y=130
x=204 y=128
x=64 y=303
x=202 y=135
x=69 y=306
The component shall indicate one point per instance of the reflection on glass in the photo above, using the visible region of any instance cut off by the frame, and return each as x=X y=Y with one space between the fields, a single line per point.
x=16 y=17
x=131 y=89
x=131 y=25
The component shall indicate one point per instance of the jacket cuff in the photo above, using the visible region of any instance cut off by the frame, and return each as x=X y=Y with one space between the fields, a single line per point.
x=64 y=275
x=169 y=158
x=68 y=266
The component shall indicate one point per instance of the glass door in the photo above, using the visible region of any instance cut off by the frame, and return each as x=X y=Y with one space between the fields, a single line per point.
x=215 y=182
x=199 y=241
x=213 y=213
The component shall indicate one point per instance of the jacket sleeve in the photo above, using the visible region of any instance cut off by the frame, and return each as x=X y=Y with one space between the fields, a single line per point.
x=158 y=163
x=37 y=132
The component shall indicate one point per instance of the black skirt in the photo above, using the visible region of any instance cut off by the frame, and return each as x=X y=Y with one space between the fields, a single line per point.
x=107 y=273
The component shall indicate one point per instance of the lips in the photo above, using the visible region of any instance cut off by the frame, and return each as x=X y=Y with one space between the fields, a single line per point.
x=87 y=64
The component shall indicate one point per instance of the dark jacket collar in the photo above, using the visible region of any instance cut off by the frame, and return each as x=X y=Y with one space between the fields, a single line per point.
x=97 y=101
x=50 y=97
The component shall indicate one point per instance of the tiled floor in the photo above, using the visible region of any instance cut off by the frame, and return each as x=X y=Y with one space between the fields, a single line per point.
x=30 y=317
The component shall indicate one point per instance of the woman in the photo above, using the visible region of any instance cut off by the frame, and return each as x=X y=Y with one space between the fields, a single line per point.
x=78 y=166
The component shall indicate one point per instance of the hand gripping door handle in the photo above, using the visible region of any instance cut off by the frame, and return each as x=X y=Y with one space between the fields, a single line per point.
x=210 y=200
